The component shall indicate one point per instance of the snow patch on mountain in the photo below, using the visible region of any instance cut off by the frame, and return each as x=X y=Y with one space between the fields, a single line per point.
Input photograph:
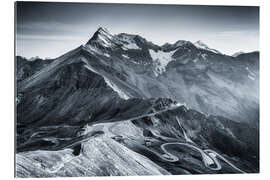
x=250 y=72
x=33 y=58
x=178 y=43
x=161 y=59
x=128 y=41
x=87 y=66
x=17 y=101
x=201 y=45
x=104 y=41
x=181 y=43
x=237 y=53
x=131 y=46
x=92 y=49
x=103 y=38
x=251 y=75
x=90 y=68
x=107 y=55
x=204 y=56
x=125 y=56
x=121 y=94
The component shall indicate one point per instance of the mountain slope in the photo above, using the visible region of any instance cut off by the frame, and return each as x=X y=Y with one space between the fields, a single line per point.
x=107 y=158
x=26 y=68
x=201 y=78
x=69 y=92
x=122 y=92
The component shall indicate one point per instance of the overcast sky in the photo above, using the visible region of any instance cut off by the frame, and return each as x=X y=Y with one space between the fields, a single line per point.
x=51 y=29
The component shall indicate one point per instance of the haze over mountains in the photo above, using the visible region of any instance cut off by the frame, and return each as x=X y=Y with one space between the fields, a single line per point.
x=121 y=105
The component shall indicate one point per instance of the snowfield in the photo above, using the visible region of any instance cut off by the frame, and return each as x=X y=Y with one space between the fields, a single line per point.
x=162 y=59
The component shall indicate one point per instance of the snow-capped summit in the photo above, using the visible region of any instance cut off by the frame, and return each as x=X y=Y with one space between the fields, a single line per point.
x=175 y=45
x=181 y=43
x=202 y=45
x=128 y=41
x=102 y=37
x=104 y=32
x=106 y=90
x=237 y=53
x=34 y=58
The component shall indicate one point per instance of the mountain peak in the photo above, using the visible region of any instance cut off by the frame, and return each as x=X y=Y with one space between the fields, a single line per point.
x=102 y=36
x=34 y=58
x=237 y=53
x=181 y=43
x=176 y=44
x=201 y=45
x=103 y=30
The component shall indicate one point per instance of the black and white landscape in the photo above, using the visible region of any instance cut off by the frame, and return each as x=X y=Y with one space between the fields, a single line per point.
x=121 y=105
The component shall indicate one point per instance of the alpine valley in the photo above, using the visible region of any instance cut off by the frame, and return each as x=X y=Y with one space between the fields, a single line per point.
x=121 y=105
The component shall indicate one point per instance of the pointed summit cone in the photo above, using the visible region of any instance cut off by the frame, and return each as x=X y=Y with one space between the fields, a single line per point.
x=102 y=37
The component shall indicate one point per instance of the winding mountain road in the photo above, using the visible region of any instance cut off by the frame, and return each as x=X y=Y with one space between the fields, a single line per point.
x=209 y=157
x=215 y=154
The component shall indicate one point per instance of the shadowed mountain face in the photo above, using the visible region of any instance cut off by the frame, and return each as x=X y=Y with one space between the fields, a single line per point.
x=121 y=105
x=26 y=68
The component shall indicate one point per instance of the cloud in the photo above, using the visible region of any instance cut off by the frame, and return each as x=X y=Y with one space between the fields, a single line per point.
x=26 y=37
x=237 y=33
x=52 y=31
x=49 y=26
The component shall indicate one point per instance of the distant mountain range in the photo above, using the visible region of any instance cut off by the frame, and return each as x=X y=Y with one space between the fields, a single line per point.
x=205 y=97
